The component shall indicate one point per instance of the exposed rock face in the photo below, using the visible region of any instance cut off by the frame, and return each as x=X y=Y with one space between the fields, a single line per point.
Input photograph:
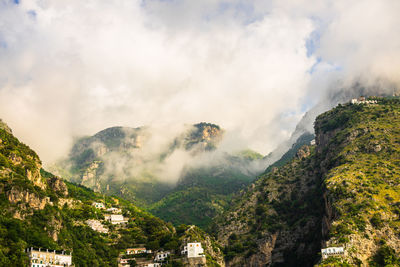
x=29 y=199
x=58 y=185
x=203 y=136
x=36 y=178
x=303 y=152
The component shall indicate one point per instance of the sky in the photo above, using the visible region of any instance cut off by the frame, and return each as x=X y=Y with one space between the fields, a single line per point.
x=70 y=68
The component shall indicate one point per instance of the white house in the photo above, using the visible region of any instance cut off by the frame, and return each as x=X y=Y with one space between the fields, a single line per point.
x=117 y=219
x=195 y=250
x=46 y=258
x=160 y=256
x=98 y=205
x=332 y=251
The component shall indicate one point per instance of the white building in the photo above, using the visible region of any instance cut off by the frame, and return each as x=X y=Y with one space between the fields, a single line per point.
x=312 y=142
x=98 y=205
x=117 y=219
x=114 y=210
x=130 y=251
x=332 y=251
x=194 y=250
x=362 y=100
x=160 y=256
x=97 y=226
x=46 y=258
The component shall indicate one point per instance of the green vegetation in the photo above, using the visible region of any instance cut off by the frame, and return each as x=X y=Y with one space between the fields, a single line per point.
x=385 y=256
x=205 y=192
x=285 y=201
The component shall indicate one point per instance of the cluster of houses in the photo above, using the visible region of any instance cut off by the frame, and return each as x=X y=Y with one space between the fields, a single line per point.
x=112 y=216
x=146 y=258
x=362 y=100
x=48 y=258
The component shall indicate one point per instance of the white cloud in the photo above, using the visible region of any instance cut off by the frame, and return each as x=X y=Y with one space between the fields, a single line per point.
x=71 y=67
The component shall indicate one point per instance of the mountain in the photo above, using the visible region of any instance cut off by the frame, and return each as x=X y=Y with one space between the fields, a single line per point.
x=342 y=192
x=186 y=180
x=130 y=162
x=41 y=210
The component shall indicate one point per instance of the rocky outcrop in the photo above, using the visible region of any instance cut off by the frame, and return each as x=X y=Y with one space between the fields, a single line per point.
x=303 y=152
x=90 y=177
x=27 y=199
x=58 y=185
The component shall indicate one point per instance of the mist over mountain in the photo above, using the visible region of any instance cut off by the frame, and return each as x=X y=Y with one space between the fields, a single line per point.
x=143 y=167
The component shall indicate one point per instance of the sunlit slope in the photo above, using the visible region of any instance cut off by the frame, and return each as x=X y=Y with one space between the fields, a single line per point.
x=343 y=192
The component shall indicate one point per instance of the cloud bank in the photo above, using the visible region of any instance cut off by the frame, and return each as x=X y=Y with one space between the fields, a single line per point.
x=69 y=67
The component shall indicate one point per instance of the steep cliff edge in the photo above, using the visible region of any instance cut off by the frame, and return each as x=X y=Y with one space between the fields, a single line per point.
x=343 y=192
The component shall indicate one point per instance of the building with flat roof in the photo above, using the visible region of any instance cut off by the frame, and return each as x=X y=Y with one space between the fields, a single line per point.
x=195 y=250
x=332 y=251
x=116 y=219
x=48 y=258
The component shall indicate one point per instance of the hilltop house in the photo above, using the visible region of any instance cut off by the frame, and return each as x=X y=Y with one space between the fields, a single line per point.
x=97 y=226
x=46 y=258
x=99 y=205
